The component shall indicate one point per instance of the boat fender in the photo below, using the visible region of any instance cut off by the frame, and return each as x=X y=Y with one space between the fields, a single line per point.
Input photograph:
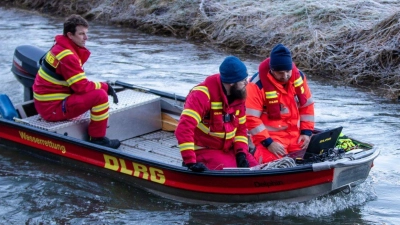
x=7 y=109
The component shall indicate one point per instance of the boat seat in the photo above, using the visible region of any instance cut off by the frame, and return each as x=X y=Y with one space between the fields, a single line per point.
x=136 y=113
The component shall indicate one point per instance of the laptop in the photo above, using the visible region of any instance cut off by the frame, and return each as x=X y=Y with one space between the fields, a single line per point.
x=323 y=140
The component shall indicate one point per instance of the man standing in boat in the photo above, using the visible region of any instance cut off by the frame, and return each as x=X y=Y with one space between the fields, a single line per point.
x=61 y=90
x=279 y=107
x=212 y=131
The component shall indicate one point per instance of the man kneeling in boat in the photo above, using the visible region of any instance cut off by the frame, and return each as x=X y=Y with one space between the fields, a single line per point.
x=212 y=133
x=61 y=90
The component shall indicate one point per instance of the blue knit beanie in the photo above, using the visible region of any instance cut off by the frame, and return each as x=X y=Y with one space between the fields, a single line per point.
x=280 y=58
x=232 y=70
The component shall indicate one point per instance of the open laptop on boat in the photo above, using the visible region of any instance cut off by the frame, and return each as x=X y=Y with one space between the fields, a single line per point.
x=320 y=141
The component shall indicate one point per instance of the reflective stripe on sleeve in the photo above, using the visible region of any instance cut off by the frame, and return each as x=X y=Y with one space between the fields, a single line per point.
x=257 y=129
x=307 y=118
x=241 y=139
x=203 y=89
x=309 y=102
x=76 y=78
x=274 y=129
x=186 y=146
x=191 y=113
x=298 y=82
x=64 y=53
x=97 y=85
x=253 y=112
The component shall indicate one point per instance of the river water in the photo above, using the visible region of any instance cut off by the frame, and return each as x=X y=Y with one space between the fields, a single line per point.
x=34 y=191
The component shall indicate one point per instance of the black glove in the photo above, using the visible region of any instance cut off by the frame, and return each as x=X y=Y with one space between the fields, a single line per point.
x=197 y=167
x=112 y=93
x=241 y=160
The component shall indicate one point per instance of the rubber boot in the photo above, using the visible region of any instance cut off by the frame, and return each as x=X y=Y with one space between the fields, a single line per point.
x=104 y=141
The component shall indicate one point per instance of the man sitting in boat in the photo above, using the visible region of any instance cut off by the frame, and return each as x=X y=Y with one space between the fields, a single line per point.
x=61 y=90
x=280 y=108
x=212 y=131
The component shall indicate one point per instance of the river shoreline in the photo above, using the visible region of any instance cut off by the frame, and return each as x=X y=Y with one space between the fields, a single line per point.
x=353 y=43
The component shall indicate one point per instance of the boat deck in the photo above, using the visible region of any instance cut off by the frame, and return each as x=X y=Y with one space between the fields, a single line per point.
x=160 y=146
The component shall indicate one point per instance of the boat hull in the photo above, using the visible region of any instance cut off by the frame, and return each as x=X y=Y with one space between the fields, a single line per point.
x=176 y=182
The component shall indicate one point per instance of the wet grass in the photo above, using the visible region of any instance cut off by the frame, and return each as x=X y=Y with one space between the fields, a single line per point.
x=354 y=42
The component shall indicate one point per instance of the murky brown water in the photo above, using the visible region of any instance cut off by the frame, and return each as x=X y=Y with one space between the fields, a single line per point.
x=34 y=191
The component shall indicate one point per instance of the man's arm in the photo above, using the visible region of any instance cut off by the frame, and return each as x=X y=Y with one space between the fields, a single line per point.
x=254 y=110
x=306 y=111
x=196 y=106
x=75 y=76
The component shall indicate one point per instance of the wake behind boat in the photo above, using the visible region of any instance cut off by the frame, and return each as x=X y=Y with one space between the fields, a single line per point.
x=149 y=157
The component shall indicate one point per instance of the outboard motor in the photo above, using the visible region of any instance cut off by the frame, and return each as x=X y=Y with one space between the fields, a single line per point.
x=25 y=66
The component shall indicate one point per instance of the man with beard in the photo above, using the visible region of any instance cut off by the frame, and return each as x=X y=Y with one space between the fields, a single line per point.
x=279 y=107
x=212 y=131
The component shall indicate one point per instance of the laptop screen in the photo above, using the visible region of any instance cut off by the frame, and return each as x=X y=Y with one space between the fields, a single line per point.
x=324 y=140
x=320 y=141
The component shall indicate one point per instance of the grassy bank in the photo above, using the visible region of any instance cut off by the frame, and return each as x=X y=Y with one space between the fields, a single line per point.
x=356 y=42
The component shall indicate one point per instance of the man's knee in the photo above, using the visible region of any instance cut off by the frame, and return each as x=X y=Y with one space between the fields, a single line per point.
x=97 y=96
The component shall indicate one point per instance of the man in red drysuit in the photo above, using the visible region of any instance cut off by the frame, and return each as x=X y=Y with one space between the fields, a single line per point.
x=61 y=90
x=279 y=107
x=212 y=132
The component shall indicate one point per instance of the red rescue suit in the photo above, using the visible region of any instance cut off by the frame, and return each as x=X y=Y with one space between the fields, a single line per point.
x=61 y=90
x=211 y=130
x=293 y=118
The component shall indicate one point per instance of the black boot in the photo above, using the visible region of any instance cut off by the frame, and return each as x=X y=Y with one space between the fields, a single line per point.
x=113 y=143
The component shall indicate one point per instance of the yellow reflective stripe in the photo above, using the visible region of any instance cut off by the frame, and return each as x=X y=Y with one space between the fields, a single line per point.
x=97 y=85
x=76 y=78
x=231 y=134
x=237 y=112
x=195 y=115
x=64 y=53
x=50 y=97
x=298 y=82
x=50 y=79
x=203 y=128
x=241 y=139
x=186 y=146
x=216 y=105
x=218 y=134
x=203 y=89
x=206 y=130
x=271 y=94
x=99 y=117
x=101 y=107
x=242 y=120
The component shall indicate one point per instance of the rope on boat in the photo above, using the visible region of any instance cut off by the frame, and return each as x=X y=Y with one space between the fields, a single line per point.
x=285 y=162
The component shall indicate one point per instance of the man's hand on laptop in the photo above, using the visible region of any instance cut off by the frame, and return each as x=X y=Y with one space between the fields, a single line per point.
x=277 y=149
x=306 y=141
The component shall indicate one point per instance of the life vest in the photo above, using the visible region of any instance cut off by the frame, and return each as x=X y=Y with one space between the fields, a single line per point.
x=221 y=121
x=49 y=63
x=271 y=95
